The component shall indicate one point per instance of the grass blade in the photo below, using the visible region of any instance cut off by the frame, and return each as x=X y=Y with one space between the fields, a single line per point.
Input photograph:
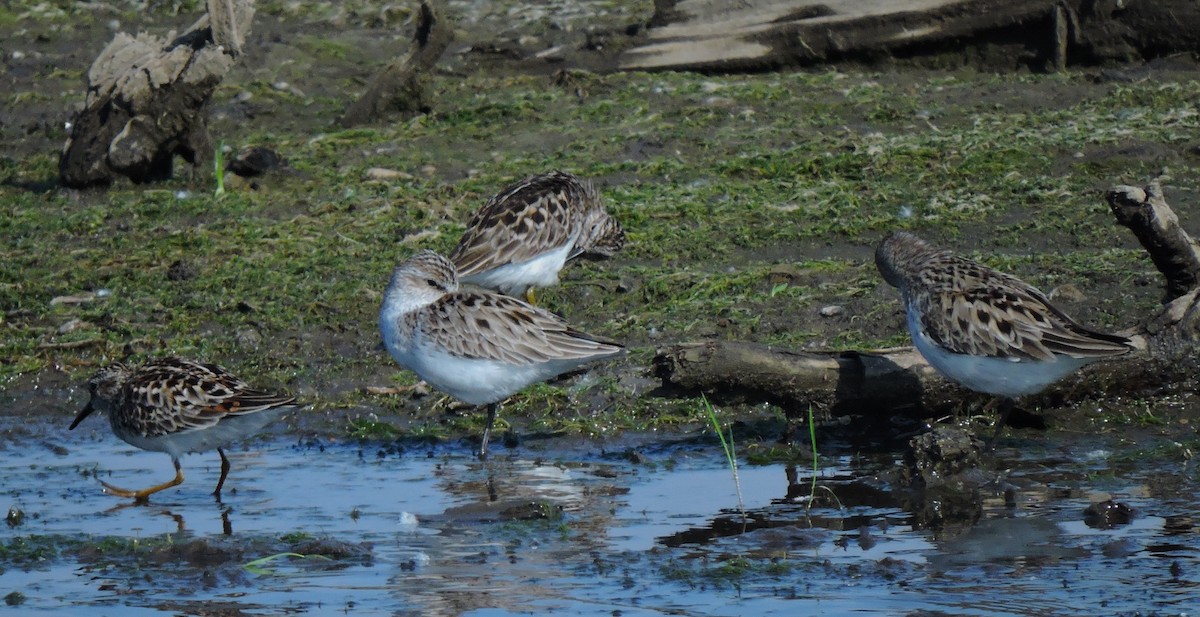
x=730 y=454
x=219 y=168
x=256 y=566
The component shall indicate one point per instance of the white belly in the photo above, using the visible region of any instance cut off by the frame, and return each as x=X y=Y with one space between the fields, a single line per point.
x=990 y=375
x=474 y=381
x=225 y=432
x=515 y=278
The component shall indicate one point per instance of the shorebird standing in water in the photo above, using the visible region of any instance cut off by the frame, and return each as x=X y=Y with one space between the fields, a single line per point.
x=527 y=232
x=477 y=346
x=984 y=329
x=177 y=406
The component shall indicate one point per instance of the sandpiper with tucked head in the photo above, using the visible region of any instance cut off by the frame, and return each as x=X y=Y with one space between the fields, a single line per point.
x=984 y=329
x=177 y=406
x=527 y=232
x=477 y=346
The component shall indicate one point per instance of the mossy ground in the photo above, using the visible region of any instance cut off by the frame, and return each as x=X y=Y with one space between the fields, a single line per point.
x=718 y=180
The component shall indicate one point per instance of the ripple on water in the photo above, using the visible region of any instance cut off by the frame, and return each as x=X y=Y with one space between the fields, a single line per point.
x=607 y=538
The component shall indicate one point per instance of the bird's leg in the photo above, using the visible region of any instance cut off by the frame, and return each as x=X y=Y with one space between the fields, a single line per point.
x=487 y=430
x=224 y=472
x=1006 y=406
x=144 y=495
x=530 y=296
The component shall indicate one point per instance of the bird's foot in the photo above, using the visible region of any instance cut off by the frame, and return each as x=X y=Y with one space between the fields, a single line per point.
x=143 y=495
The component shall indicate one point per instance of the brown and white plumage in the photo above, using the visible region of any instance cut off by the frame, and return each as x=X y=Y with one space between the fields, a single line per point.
x=471 y=324
x=969 y=308
x=987 y=330
x=177 y=406
x=477 y=346
x=526 y=233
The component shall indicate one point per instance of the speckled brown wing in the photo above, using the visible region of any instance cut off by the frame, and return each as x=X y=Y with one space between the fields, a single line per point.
x=534 y=216
x=481 y=325
x=174 y=395
x=1003 y=317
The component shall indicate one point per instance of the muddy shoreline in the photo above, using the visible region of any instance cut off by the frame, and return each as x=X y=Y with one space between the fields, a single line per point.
x=295 y=78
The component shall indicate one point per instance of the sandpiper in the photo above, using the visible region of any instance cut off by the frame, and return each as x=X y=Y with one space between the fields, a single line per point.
x=984 y=329
x=177 y=406
x=478 y=346
x=527 y=232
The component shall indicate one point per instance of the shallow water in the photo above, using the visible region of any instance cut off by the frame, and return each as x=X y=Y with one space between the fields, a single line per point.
x=658 y=537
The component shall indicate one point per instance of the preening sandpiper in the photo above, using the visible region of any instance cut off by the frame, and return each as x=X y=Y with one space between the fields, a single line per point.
x=524 y=235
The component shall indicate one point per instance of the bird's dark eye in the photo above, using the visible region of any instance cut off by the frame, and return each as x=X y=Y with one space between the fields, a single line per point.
x=432 y=283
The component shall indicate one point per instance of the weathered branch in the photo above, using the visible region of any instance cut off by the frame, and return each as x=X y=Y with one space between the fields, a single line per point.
x=1174 y=332
x=1146 y=213
x=899 y=380
x=230 y=22
x=146 y=99
x=730 y=370
x=891 y=381
x=727 y=35
x=402 y=86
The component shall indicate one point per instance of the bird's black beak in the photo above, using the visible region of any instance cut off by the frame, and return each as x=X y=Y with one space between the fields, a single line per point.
x=83 y=413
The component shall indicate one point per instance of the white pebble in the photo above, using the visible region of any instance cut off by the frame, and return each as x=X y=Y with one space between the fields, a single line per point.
x=382 y=173
x=832 y=310
x=72 y=326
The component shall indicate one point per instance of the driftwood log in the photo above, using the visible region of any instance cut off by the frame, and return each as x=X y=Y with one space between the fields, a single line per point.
x=736 y=35
x=402 y=87
x=1173 y=333
x=146 y=100
x=893 y=381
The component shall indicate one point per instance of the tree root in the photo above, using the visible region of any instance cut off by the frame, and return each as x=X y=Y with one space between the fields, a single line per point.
x=146 y=100
x=402 y=87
